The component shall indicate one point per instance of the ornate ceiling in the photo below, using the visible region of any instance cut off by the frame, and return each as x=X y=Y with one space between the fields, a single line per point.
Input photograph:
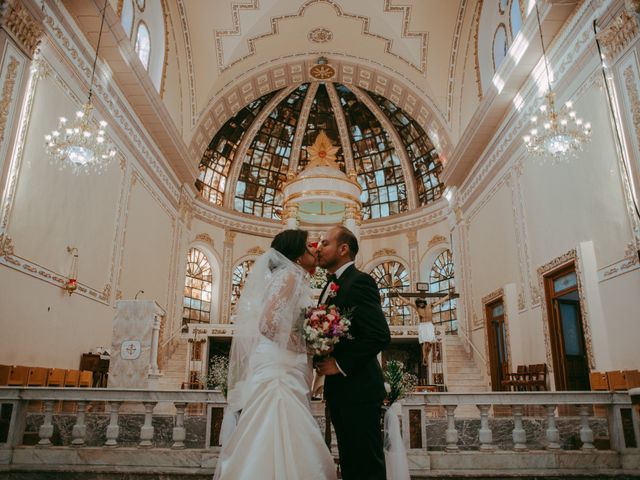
x=221 y=55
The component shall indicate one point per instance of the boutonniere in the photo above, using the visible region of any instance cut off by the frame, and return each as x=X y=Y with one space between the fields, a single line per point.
x=333 y=289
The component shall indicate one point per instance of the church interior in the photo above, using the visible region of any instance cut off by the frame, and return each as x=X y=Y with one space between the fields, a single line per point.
x=486 y=154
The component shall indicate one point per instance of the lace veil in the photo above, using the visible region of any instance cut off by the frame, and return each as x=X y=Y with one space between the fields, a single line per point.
x=272 y=305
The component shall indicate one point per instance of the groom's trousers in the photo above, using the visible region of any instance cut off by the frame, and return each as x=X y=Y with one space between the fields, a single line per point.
x=359 y=436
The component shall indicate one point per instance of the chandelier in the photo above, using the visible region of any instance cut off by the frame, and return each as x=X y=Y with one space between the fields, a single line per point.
x=81 y=144
x=559 y=134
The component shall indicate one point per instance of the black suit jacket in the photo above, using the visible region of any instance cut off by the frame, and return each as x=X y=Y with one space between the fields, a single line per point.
x=359 y=295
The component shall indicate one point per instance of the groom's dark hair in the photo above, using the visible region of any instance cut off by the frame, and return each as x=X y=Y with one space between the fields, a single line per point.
x=346 y=236
x=291 y=243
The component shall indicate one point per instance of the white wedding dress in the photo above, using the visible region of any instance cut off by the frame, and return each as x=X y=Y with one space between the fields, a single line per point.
x=276 y=437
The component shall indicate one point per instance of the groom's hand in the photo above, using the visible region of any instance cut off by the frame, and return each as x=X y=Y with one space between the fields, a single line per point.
x=327 y=366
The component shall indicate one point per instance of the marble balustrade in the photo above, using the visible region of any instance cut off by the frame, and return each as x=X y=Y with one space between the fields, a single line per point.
x=113 y=427
x=545 y=410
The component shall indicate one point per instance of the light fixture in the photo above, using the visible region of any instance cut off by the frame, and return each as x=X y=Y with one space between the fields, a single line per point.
x=72 y=279
x=80 y=144
x=558 y=134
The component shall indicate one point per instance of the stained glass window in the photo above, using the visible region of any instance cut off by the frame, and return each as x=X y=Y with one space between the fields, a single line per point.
x=420 y=149
x=321 y=117
x=264 y=170
x=441 y=279
x=238 y=278
x=216 y=162
x=143 y=44
x=377 y=164
x=196 y=307
x=392 y=276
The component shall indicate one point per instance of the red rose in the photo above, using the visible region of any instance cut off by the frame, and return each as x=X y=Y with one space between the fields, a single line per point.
x=334 y=287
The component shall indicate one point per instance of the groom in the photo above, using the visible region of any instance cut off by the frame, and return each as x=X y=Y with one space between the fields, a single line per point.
x=354 y=385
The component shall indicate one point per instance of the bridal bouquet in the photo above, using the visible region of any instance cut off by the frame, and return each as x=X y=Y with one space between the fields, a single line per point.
x=323 y=327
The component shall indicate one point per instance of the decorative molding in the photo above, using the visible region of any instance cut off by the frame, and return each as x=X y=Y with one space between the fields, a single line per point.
x=6 y=245
x=7 y=94
x=491 y=297
x=255 y=251
x=236 y=30
x=367 y=73
x=320 y=35
x=628 y=264
x=185 y=208
x=205 y=238
x=618 y=34
x=435 y=240
x=20 y=23
x=453 y=58
x=189 y=56
x=33 y=269
x=631 y=84
x=301 y=125
x=385 y=252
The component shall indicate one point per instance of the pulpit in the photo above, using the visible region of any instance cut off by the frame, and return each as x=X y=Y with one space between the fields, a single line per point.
x=134 y=345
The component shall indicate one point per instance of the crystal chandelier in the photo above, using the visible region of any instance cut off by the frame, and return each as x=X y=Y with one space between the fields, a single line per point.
x=559 y=134
x=81 y=144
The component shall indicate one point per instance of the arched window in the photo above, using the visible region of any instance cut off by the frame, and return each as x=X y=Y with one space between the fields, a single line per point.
x=143 y=45
x=499 y=46
x=515 y=18
x=196 y=307
x=238 y=278
x=126 y=16
x=392 y=276
x=441 y=279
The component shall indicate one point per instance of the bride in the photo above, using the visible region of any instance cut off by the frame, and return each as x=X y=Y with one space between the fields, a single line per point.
x=268 y=431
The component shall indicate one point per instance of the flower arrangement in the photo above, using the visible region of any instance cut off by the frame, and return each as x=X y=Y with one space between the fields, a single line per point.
x=217 y=375
x=324 y=326
x=399 y=381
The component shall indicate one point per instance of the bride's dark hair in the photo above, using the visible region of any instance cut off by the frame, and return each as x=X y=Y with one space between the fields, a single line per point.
x=291 y=243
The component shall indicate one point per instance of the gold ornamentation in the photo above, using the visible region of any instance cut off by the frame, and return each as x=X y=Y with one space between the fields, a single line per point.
x=7 y=93
x=255 y=251
x=618 y=34
x=185 y=208
x=412 y=236
x=290 y=211
x=205 y=238
x=384 y=252
x=320 y=35
x=352 y=212
x=436 y=240
x=229 y=236
x=632 y=88
x=20 y=23
x=322 y=152
x=322 y=72
x=6 y=245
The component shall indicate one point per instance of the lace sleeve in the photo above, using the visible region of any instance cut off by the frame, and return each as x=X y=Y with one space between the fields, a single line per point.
x=278 y=302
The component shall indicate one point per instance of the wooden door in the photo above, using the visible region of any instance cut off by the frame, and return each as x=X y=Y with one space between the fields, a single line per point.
x=568 y=346
x=496 y=331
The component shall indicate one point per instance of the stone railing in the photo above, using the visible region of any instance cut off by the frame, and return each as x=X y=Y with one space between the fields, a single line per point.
x=522 y=430
x=173 y=432
x=58 y=430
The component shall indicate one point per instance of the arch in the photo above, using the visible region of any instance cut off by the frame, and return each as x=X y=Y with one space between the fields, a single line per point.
x=442 y=279
x=142 y=45
x=215 y=260
x=239 y=273
x=515 y=18
x=364 y=73
x=198 y=292
x=436 y=246
x=392 y=274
